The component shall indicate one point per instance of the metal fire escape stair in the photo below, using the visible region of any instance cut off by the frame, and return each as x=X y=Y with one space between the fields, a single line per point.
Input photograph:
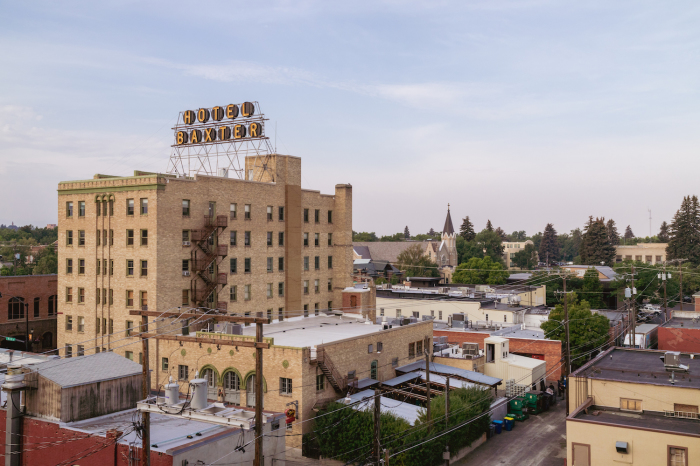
x=202 y=257
x=338 y=382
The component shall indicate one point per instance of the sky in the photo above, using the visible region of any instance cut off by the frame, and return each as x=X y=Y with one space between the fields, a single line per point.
x=523 y=112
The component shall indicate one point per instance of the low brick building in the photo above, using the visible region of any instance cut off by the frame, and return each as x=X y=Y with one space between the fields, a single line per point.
x=39 y=292
x=524 y=342
x=681 y=333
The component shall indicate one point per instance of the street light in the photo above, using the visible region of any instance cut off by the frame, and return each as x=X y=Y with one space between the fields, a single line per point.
x=26 y=320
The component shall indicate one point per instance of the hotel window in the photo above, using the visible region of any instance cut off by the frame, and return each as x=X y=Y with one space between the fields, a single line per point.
x=306 y=262
x=233 y=293
x=677 y=456
x=81 y=266
x=185 y=207
x=246 y=265
x=69 y=237
x=330 y=305
x=432 y=313
x=129 y=298
x=416 y=314
x=81 y=208
x=129 y=268
x=69 y=351
x=330 y=262
x=330 y=216
x=317 y=263
x=411 y=350
x=69 y=294
x=317 y=216
x=81 y=350
x=164 y=364
x=319 y=382
x=638 y=258
x=69 y=209
x=330 y=239
x=330 y=284
x=81 y=237
x=233 y=265
x=280 y=238
x=97 y=238
x=269 y=290
x=129 y=237
x=269 y=264
x=111 y=237
x=439 y=315
x=306 y=215
x=315 y=309
x=69 y=266
x=144 y=300
x=185 y=297
x=280 y=212
x=182 y=372
x=269 y=238
x=111 y=266
x=246 y=293
x=306 y=287
x=81 y=295
x=246 y=210
x=144 y=268
x=306 y=239
x=233 y=213
x=144 y=206
x=628 y=404
x=316 y=239
x=81 y=324
x=269 y=213
x=316 y=287
x=658 y=259
x=280 y=314
x=144 y=237
x=398 y=313
x=381 y=312
x=97 y=326
x=233 y=238
x=130 y=207
x=280 y=289
x=419 y=348
x=505 y=318
x=280 y=264
x=53 y=305
x=370 y=348
x=111 y=208
x=129 y=355
x=129 y=327
x=36 y=306
x=185 y=265
x=246 y=239
x=97 y=296
x=69 y=323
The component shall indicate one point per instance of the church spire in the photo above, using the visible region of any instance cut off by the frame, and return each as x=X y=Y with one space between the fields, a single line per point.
x=448 y=229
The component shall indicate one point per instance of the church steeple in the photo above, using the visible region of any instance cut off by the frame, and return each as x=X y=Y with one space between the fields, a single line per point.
x=448 y=228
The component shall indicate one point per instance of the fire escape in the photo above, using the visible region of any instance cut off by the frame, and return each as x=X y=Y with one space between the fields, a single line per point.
x=338 y=382
x=206 y=255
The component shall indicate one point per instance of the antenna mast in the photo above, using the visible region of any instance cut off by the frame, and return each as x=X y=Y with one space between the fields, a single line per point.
x=649 y=221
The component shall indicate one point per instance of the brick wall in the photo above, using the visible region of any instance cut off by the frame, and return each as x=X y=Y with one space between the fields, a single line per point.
x=29 y=287
x=679 y=339
x=550 y=349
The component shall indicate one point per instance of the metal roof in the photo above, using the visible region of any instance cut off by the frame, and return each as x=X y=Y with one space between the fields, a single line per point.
x=443 y=369
x=363 y=383
x=448 y=228
x=84 y=370
x=400 y=409
x=401 y=379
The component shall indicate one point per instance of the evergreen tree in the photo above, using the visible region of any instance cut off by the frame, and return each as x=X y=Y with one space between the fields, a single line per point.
x=431 y=232
x=489 y=227
x=549 y=246
x=613 y=236
x=595 y=245
x=406 y=233
x=663 y=233
x=466 y=231
x=499 y=231
x=593 y=289
x=684 y=235
x=628 y=233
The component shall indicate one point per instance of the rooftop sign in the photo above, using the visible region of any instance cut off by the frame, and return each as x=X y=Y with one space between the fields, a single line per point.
x=209 y=125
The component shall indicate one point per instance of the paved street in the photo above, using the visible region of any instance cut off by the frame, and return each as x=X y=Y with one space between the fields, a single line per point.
x=541 y=440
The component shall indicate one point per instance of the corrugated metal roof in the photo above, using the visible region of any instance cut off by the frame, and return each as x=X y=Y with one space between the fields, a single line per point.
x=363 y=383
x=443 y=369
x=400 y=409
x=83 y=370
x=401 y=379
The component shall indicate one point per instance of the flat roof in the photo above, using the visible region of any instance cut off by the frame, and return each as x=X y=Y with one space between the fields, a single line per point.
x=683 y=322
x=471 y=376
x=640 y=420
x=640 y=366
x=406 y=411
x=303 y=332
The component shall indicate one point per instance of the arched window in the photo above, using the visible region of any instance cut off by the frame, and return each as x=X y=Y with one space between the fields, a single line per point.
x=53 y=302
x=251 y=396
x=209 y=376
x=232 y=381
x=15 y=308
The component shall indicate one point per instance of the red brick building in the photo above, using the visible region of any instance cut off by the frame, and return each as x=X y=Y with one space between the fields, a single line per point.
x=36 y=294
x=538 y=348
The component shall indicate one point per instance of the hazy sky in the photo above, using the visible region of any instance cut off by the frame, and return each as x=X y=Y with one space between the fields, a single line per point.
x=522 y=112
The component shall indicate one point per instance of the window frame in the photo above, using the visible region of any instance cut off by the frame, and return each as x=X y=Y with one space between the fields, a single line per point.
x=286 y=386
x=186 y=207
x=668 y=453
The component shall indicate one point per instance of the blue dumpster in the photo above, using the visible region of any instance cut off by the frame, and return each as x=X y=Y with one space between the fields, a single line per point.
x=499 y=426
x=508 y=423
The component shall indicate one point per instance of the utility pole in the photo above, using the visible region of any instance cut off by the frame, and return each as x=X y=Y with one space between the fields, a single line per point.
x=663 y=278
x=634 y=311
x=567 y=367
x=258 y=393
x=377 y=414
x=447 y=401
x=427 y=381
x=146 y=389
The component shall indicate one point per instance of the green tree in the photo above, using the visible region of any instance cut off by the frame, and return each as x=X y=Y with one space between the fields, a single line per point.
x=526 y=258
x=649 y=286
x=592 y=289
x=595 y=246
x=613 y=236
x=393 y=238
x=46 y=262
x=466 y=231
x=628 y=234
x=414 y=263
x=492 y=243
x=587 y=331
x=364 y=236
x=517 y=236
x=684 y=237
x=406 y=233
x=501 y=233
x=536 y=240
x=489 y=226
x=663 y=235
x=432 y=233
x=549 y=247
x=478 y=271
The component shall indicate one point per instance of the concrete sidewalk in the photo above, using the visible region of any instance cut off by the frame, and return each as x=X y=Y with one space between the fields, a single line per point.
x=540 y=440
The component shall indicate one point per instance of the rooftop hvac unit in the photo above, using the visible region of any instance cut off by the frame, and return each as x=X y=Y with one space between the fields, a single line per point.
x=428 y=318
x=440 y=339
x=470 y=348
x=412 y=320
x=672 y=362
x=405 y=321
x=387 y=326
x=458 y=316
x=228 y=328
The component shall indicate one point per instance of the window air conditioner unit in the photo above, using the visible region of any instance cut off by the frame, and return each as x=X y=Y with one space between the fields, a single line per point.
x=186 y=243
x=185 y=273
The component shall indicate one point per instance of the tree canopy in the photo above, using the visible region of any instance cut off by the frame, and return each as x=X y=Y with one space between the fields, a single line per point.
x=480 y=271
x=499 y=231
x=613 y=236
x=364 y=236
x=628 y=232
x=595 y=245
x=684 y=237
x=663 y=233
x=526 y=258
x=466 y=231
x=414 y=263
x=549 y=247
x=489 y=226
x=406 y=233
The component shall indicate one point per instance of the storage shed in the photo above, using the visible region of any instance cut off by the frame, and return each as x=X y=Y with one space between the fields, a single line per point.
x=84 y=387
